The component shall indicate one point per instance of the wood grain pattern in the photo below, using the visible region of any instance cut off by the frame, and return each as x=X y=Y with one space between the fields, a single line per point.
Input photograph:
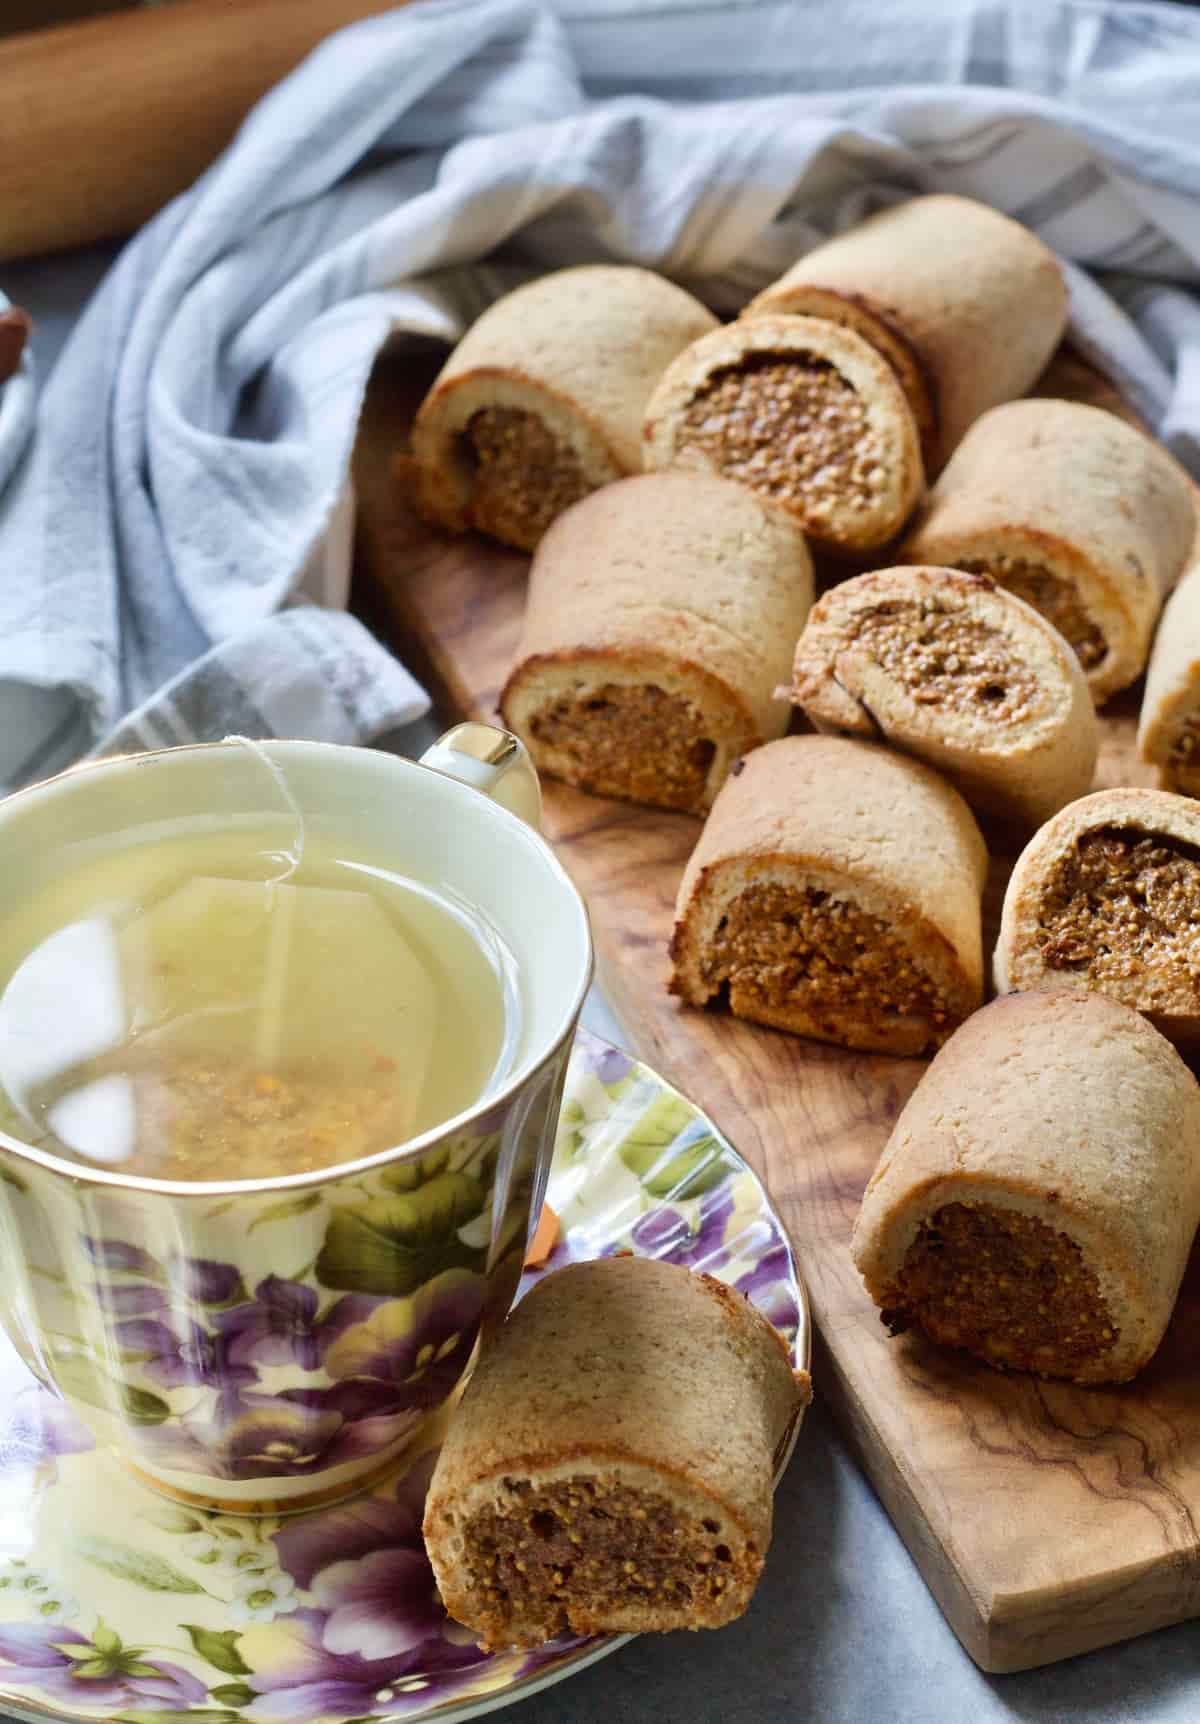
x=1046 y=1520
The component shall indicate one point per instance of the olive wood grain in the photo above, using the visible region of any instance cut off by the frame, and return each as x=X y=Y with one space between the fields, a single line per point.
x=1046 y=1520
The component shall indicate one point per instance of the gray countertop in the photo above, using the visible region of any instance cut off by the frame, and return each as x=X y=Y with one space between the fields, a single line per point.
x=842 y=1630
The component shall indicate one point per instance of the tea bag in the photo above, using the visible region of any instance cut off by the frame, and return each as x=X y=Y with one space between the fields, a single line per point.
x=261 y=971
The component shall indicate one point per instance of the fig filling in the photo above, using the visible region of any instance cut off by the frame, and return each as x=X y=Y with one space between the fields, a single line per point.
x=567 y=1553
x=1120 y=903
x=1003 y=1286
x=522 y=479
x=1056 y=599
x=634 y=741
x=793 y=428
x=779 y=947
x=947 y=658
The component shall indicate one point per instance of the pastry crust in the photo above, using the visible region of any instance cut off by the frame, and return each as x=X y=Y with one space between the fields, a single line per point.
x=952 y=669
x=1106 y=898
x=965 y=305
x=1081 y=514
x=836 y=889
x=1064 y=1122
x=577 y=353
x=661 y=617
x=621 y=1434
x=1169 y=723
x=802 y=411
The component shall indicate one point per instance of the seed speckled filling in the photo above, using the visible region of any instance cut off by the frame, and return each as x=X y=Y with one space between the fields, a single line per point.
x=1004 y=1286
x=947 y=658
x=522 y=478
x=561 y=1555
x=1057 y=600
x=793 y=428
x=633 y=741
x=782 y=946
x=1119 y=904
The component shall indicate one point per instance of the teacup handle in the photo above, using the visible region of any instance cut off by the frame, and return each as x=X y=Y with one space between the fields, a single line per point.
x=491 y=760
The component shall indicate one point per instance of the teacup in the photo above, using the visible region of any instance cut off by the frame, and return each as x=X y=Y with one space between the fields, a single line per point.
x=263 y=1345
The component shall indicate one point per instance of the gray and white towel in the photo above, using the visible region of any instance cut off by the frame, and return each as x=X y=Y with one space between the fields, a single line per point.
x=174 y=548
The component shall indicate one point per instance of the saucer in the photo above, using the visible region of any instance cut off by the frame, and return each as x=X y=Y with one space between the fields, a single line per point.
x=117 y=1604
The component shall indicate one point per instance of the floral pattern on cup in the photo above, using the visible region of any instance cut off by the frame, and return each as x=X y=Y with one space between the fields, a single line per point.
x=118 y=1604
x=198 y=1363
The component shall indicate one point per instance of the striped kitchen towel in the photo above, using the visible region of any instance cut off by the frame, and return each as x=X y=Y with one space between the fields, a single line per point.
x=188 y=469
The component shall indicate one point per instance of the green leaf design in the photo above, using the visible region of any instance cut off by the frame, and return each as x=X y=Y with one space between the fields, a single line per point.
x=81 y=1377
x=155 y=1573
x=219 y=1649
x=169 y=1517
x=408 y=1175
x=393 y=1245
x=235 y=1694
x=210 y=1714
x=93 y=1667
x=663 y=1170
x=285 y=1211
x=105 y=1639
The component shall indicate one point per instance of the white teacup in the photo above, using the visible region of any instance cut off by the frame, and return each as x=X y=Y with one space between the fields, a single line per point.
x=175 y=1317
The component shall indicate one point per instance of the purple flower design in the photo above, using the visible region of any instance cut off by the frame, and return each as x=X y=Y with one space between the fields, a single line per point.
x=41 y=1427
x=97 y=1674
x=203 y=1280
x=388 y=1361
x=770 y=1286
x=122 y=1259
x=600 y=1058
x=411 y=1352
x=380 y=1641
x=280 y=1325
x=666 y=1232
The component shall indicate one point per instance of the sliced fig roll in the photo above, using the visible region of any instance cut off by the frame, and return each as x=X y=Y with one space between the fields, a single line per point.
x=1169 y=725
x=951 y=668
x=1036 y=1203
x=1106 y=898
x=965 y=305
x=1076 y=512
x=610 y=1468
x=835 y=892
x=803 y=412
x=660 y=622
x=542 y=400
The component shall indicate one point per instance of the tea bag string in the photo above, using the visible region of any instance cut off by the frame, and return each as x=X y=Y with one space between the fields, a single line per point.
x=269 y=1031
x=295 y=856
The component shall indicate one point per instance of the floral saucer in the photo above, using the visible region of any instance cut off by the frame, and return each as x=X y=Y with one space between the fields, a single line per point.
x=117 y=1604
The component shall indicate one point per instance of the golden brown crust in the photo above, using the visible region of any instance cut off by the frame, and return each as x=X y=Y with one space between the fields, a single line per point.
x=1076 y=493
x=850 y=880
x=659 y=625
x=849 y=486
x=1070 y=1109
x=965 y=304
x=1169 y=722
x=954 y=670
x=635 y=1388
x=579 y=352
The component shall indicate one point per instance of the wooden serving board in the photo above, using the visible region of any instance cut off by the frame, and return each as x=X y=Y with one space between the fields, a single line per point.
x=1046 y=1520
